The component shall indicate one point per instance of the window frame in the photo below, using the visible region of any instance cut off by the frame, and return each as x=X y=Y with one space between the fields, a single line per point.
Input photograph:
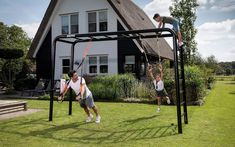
x=62 y=69
x=129 y=64
x=98 y=22
x=70 y=23
x=94 y=23
x=98 y=64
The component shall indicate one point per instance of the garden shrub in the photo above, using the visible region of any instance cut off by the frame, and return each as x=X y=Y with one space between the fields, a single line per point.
x=101 y=91
x=123 y=86
x=25 y=83
x=194 y=82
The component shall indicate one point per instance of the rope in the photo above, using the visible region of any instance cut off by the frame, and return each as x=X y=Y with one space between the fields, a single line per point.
x=85 y=53
x=158 y=50
x=143 y=49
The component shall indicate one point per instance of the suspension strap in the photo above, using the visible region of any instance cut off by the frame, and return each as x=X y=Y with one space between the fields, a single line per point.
x=85 y=53
x=143 y=49
x=158 y=50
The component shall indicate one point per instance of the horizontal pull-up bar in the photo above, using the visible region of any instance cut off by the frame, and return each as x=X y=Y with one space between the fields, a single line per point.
x=108 y=38
x=120 y=35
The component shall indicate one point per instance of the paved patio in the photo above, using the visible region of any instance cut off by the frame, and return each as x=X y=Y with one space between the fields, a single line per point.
x=4 y=102
x=18 y=114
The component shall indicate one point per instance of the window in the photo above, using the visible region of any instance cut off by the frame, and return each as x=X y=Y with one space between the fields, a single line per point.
x=98 y=64
x=74 y=23
x=97 y=20
x=65 y=66
x=103 y=64
x=65 y=24
x=92 y=64
x=129 y=65
x=92 y=22
x=103 y=23
x=70 y=24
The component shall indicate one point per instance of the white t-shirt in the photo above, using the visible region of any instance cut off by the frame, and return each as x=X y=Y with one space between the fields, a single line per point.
x=76 y=86
x=159 y=86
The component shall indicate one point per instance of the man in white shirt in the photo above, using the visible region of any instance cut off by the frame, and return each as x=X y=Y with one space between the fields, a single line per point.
x=83 y=95
x=159 y=86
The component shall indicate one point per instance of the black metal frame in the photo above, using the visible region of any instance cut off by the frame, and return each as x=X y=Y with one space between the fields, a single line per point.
x=73 y=39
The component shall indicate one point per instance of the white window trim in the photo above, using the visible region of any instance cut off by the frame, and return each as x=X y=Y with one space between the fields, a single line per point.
x=97 y=20
x=98 y=64
x=61 y=61
x=69 y=21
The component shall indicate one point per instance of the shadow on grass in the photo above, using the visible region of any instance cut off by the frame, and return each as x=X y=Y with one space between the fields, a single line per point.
x=232 y=92
x=231 y=83
x=132 y=121
x=80 y=132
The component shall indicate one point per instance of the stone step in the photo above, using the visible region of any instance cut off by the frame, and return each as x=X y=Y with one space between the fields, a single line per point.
x=14 y=109
x=12 y=106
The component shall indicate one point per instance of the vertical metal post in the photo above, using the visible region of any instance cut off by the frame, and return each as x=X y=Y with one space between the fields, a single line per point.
x=71 y=68
x=53 y=54
x=177 y=84
x=183 y=85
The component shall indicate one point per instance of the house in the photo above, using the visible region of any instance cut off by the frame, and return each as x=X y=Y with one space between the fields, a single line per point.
x=106 y=57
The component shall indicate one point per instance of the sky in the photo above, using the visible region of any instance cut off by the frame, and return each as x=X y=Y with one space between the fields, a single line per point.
x=215 y=21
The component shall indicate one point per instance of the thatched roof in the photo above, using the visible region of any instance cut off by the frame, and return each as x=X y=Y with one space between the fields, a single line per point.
x=136 y=19
x=131 y=15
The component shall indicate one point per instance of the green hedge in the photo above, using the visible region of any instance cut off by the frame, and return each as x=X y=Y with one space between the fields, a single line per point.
x=126 y=87
x=113 y=87
x=25 y=83
x=195 y=83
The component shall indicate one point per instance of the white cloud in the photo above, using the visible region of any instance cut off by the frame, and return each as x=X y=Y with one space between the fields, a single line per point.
x=30 y=29
x=214 y=31
x=213 y=38
x=217 y=38
x=222 y=8
x=202 y=2
x=211 y=1
x=157 y=6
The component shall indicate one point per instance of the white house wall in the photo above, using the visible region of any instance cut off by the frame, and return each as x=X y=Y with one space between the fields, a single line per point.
x=96 y=48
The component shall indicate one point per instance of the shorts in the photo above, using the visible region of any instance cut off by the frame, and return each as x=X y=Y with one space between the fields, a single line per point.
x=176 y=26
x=88 y=101
x=162 y=93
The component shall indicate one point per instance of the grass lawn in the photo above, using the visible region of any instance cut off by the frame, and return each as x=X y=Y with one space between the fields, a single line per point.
x=127 y=124
x=225 y=78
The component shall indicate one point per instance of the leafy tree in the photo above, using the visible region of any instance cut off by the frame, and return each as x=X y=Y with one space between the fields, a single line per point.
x=11 y=53
x=212 y=63
x=227 y=68
x=185 y=11
x=12 y=37
x=198 y=60
x=8 y=72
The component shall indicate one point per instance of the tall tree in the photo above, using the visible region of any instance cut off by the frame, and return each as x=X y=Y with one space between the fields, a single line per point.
x=12 y=37
x=185 y=11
